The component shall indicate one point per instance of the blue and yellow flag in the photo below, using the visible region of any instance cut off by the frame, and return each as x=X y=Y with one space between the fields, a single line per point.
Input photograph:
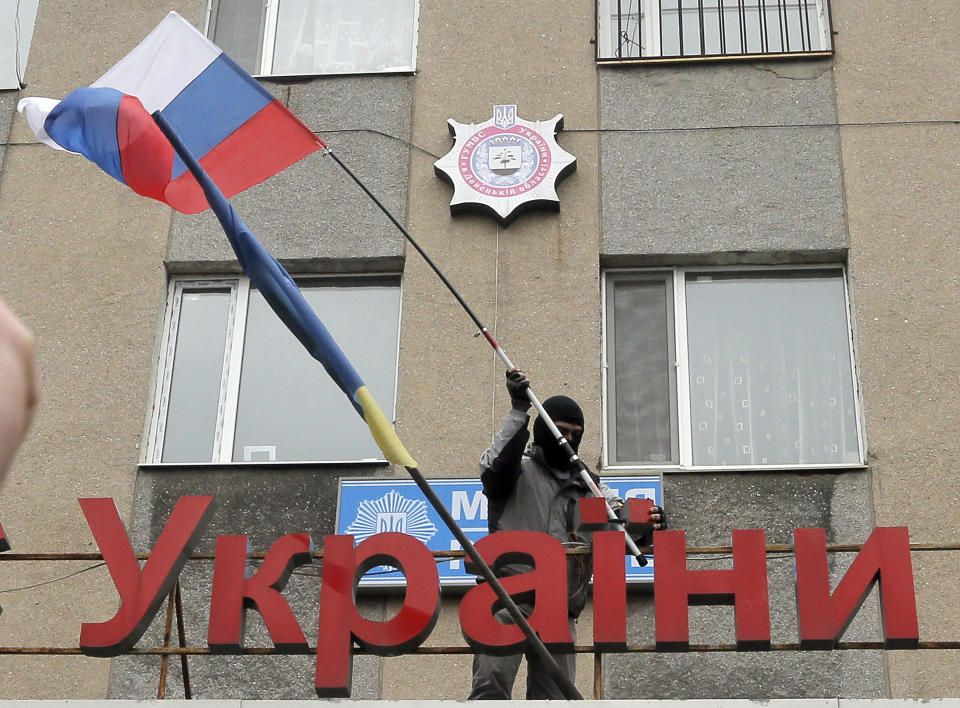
x=285 y=298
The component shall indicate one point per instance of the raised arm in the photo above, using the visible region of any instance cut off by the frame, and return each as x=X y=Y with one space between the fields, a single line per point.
x=500 y=463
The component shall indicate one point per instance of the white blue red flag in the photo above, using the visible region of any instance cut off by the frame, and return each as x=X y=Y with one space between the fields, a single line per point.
x=239 y=131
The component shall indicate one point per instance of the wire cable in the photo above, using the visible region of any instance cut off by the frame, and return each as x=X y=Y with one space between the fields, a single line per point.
x=54 y=580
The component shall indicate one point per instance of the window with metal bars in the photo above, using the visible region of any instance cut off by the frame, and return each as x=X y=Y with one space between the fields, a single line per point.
x=634 y=30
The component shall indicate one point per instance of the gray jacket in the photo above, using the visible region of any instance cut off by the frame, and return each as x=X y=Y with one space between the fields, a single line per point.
x=525 y=494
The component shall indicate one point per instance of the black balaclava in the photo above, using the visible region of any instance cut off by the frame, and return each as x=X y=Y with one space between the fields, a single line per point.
x=563 y=409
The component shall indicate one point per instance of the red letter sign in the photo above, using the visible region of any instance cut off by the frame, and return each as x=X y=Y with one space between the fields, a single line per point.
x=4 y=542
x=885 y=557
x=141 y=592
x=548 y=582
x=341 y=623
x=745 y=587
x=233 y=592
x=609 y=569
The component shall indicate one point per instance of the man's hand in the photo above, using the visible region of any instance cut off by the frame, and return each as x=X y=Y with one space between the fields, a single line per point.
x=19 y=385
x=658 y=518
x=641 y=530
x=517 y=385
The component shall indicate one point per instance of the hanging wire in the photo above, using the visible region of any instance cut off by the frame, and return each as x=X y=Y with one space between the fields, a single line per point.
x=16 y=45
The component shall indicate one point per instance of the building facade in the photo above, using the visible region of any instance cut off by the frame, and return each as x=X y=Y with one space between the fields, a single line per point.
x=749 y=287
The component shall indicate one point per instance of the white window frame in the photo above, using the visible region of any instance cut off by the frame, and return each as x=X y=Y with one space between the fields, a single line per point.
x=268 y=34
x=676 y=276
x=606 y=49
x=222 y=452
x=17 y=20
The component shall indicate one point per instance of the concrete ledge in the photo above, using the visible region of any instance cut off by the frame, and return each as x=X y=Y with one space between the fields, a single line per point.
x=698 y=703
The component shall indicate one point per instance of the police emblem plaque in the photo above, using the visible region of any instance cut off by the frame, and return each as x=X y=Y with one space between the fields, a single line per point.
x=506 y=165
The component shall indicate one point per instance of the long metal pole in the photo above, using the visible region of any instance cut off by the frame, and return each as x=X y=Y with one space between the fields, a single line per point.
x=563 y=681
x=562 y=441
x=536 y=644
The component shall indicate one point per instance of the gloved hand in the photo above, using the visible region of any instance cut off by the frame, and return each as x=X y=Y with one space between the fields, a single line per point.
x=658 y=517
x=517 y=385
x=641 y=530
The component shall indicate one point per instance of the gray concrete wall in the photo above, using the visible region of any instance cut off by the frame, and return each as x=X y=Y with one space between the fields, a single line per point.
x=312 y=216
x=733 y=163
x=82 y=264
x=8 y=107
x=713 y=164
x=896 y=69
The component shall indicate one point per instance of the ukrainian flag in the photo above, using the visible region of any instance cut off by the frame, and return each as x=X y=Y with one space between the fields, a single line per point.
x=285 y=298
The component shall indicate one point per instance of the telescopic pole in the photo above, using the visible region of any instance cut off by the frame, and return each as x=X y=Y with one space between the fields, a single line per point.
x=562 y=441
x=563 y=681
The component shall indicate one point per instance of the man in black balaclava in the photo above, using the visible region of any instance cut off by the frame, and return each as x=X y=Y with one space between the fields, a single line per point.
x=535 y=488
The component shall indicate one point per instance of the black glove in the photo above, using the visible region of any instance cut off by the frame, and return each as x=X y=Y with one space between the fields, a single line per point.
x=517 y=385
x=641 y=530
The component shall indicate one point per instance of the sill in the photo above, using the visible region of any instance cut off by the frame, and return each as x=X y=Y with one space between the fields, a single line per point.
x=292 y=78
x=711 y=58
x=278 y=464
x=681 y=469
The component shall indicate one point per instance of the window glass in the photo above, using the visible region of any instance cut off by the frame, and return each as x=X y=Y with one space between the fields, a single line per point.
x=341 y=36
x=291 y=37
x=195 y=383
x=764 y=357
x=289 y=409
x=642 y=371
x=770 y=374
x=238 y=30
x=237 y=386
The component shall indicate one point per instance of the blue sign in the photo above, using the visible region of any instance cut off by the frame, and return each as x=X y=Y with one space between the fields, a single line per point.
x=370 y=506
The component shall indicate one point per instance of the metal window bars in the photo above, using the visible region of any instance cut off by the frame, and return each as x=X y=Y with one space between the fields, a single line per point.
x=672 y=30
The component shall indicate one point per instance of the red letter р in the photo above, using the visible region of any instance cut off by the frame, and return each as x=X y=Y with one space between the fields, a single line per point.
x=233 y=593
x=744 y=586
x=341 y=622
x=141 y=591
x=884 y=558
x=547 y=581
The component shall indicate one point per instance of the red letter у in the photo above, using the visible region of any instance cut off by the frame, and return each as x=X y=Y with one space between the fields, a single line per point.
x=141 y=591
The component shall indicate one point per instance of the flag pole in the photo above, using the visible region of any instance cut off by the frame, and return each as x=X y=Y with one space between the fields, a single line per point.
x=558 y=436
x=536 y=644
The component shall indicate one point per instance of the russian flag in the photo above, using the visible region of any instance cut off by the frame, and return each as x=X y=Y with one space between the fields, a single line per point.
x=240 y=133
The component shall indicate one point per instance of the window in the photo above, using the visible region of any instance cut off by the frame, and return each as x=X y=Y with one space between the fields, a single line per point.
x=17 y=18
x=660 y=29
x=294 y=37
x=747 y=368
x=236 y=386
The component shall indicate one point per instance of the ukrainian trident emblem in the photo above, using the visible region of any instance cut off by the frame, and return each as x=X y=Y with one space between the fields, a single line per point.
x=505 y=165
